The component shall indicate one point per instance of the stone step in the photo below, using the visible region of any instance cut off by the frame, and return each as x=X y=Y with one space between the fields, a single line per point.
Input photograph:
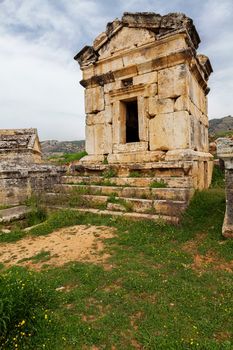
x=129 y=215
x=168 y=181
x=14 y=213
x=179 y=194
x=138 y=205
x=168 y=168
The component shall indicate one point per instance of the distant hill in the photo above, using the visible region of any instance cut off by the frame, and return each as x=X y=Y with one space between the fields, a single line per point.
x=54 y=147
x=221 y=126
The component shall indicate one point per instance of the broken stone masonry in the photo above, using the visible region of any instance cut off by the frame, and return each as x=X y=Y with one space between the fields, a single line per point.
x=146 y=111
x=225 y=153
x=21 y=169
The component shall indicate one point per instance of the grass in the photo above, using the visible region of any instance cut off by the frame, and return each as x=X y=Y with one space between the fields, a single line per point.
x=108 y=173
x=2 y=207
x=67 y=158
x=26 y=315
x=42 y=256
x=218 y=179
x=158 y=184
x=114 y=199
x=221 y=134
x=153 y=293
x=135 y=174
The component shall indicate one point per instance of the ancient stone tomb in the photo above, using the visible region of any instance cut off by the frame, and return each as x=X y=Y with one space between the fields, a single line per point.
x=145 y=95
x=22 y=171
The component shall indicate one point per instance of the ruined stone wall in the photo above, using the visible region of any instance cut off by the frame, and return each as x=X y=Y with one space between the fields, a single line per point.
x=19 y=183
x=20 y=145
x=21 y=170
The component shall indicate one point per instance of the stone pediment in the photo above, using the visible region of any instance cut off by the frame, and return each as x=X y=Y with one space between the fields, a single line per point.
x=19 y=141
x=134 y=30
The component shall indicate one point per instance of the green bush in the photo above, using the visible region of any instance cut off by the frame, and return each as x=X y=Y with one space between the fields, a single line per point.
x=25 y=308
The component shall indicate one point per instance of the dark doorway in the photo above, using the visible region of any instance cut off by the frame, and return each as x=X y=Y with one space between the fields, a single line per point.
x=132 y=134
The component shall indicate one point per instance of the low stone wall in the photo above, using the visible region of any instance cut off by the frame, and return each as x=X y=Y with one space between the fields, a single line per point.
x=225 y=153
x=18 y=182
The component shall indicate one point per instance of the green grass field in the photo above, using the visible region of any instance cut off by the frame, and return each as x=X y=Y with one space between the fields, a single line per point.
x=163 y=287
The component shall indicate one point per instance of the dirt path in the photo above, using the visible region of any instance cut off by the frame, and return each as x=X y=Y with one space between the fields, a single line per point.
x=77 y=243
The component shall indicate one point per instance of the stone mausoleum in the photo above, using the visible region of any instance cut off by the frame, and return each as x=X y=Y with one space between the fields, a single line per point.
x=146 y=96
x=22 y=171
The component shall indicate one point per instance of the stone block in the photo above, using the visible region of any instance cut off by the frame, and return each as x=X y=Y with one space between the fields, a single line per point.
x=182 y=103
x=112 y=86
x=108 y=114
x=126 y=39
x=126 y=72
x=160 y=106
x=91 y=159
x=164 y=133
x=90 y=139
x=88 y=72
x=100 y=40
x=136 y=157
x=143 y=122
x=99 y=138
x=118 y=123
x=173 y=208
x=150 y=90
x=96 y=142
x=172 y=82
x=94 y=99
x=110 y=65
x=147 y=78
x=108 y=138
x=130 y=147
x=196 y=94
x=116 y=207
x=98 y=118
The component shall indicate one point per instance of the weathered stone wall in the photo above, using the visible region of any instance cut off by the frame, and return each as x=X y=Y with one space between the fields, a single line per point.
x=17 y=183
x=20 y=145
x=21 y=170
x=225 y=153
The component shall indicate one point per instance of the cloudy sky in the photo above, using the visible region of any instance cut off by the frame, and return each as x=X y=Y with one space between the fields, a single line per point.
x=38 y=39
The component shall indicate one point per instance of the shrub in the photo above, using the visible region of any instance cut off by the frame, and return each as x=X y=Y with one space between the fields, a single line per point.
x=158 y=184
x=25 y=307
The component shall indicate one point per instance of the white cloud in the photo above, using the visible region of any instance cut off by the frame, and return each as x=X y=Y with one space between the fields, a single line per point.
x=40 y=91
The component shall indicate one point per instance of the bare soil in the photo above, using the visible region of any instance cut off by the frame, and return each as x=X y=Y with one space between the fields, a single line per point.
x=202 y=262
x=77 y=243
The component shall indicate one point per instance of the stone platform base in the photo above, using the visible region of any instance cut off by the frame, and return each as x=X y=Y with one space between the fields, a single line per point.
x=197 y=165
x=159 y=190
